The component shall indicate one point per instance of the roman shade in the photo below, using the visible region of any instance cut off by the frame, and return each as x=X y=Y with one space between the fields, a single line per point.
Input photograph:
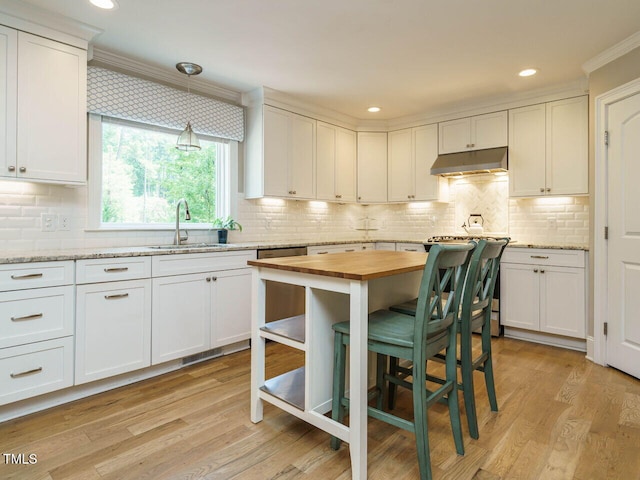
x=123 y=96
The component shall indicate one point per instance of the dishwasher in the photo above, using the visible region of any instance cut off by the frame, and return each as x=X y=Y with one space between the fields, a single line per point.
x=282 y=299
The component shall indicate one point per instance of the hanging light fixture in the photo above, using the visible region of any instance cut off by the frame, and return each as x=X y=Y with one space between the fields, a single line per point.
x=188 y=141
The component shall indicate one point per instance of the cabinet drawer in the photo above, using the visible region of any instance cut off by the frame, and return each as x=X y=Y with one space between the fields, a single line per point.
x=34 y=369
x=35 y=315
x=409 y=247
x=34 y=275
x=324 y=249
x=112 y=269
x=179 y=264
x=539 y=256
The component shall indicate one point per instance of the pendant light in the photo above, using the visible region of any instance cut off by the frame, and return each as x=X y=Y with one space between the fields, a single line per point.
x=188 y=141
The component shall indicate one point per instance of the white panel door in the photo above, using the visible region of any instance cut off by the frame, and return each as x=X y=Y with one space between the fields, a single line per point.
x=454 y=136
x=326 y=161
x=567 y=171
x=113 y=329
x=8 y=92
x=562 y=301
x=346 y=165
x=181 y=321
x=231 y=310
x=519 y=296
x=527 y=151
x=425 y=151
x=623 y=249
x=277 y=133
x=52 y=110
x=302 y=160
x=372 y=167
x=489 y=131
x=400 y=166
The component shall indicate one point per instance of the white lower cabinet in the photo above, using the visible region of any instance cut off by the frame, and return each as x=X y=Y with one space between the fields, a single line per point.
x=340 y=248
x=200 y=302
x=544 y=291
x=113 y=317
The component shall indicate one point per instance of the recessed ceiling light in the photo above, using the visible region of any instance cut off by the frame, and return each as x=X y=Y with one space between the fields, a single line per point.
x=527 y=72
x=105 y=4
x=373 y=109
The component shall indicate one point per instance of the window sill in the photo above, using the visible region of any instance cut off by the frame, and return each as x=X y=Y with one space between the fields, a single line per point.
x=150 y=228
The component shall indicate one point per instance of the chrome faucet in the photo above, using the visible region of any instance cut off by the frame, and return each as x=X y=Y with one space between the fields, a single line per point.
x=187 y=216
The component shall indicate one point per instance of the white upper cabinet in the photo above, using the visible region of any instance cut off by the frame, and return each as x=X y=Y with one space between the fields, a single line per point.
x=473 y=133
x=548 y=149
x=372 y=167
x=287 y=157
x=8 y=91
x=412 y=152
x=51 y=112
x=336 y=163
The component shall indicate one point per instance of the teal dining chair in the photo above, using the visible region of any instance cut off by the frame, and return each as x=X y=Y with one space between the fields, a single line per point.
x=477 y=296
x=416 y=338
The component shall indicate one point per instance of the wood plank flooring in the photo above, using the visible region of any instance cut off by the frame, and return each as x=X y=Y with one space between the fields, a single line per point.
x=561 y=417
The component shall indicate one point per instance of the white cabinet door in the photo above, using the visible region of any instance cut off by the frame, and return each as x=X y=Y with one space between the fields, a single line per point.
x=52 y=110
x=425 y=152
x=562 y=301
x=289 y=154
x=519 y=296
x=401 y=181
x=372 y=167
x=527 y=153
x=8 y=92
x=181 y=316
x=230 y=306
x=489 y=131
x=454 y=135
x=336 y=163
x=113 y=329
x=567 y=171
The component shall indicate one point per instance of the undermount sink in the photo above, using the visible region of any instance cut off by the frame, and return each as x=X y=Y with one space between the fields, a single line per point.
x=189 y=245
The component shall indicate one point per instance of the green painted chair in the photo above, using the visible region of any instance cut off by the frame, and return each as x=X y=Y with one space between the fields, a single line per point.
x=416 y=338
x=475 y=315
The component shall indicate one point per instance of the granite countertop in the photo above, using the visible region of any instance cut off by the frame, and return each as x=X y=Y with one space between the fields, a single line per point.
x=137 y=251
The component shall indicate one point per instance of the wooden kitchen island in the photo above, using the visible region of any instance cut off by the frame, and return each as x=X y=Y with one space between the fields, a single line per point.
x=337 y=287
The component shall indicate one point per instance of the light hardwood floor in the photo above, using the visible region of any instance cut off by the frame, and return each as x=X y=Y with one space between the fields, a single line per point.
x=561 y=417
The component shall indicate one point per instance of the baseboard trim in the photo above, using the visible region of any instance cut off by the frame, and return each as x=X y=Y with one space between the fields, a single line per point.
x=546 y=339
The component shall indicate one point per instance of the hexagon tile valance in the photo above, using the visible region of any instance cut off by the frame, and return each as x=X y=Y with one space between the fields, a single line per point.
x=118 y=95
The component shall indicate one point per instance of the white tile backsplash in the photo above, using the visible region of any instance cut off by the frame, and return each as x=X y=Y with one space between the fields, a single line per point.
x=544 y=220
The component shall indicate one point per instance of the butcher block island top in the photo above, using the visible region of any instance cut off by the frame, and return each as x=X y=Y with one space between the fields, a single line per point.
x=365 y=265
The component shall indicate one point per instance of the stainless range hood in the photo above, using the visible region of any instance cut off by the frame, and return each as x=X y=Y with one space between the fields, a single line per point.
x=490 y=160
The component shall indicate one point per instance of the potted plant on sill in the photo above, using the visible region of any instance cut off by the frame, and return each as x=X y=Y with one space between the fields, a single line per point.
x=223 y=225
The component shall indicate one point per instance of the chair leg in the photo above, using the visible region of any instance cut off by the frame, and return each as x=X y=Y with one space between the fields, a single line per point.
x=381 y=365
x=451 y=369
x=420 y=423
x=488 y=370
x=468 y=387
x=393 y=388
x=339 y=367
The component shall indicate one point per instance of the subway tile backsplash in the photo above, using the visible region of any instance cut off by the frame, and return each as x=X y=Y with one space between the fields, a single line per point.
x=563 y=220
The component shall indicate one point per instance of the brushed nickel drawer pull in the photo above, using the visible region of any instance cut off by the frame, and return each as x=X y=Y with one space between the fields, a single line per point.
x=28 y=372
x=116 y=269
x=26 y=276
x=410 y=249
x=322 y=253
x=350 y=250
x=26 y=317
x=114 y=297
x=540 y=256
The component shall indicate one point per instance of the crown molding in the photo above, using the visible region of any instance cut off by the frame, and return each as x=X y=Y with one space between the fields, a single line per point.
x=173 y=78
x=44 y=23
x=610 y=54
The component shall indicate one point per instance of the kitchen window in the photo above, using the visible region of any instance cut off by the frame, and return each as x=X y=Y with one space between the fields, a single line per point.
x=137 y=176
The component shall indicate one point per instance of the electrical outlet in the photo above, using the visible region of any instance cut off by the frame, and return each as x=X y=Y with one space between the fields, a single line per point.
x=552 y=223
x=63 y=222
x=49 y=222
x=268 y=223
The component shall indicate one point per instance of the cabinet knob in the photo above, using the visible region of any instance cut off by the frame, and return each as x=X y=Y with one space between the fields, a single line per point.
x=22 y=169
x=535 y=270
x=541 y=271
x=214 y=279
x=208 y=279
x=12 y=168
x=338 y=196
x=542 y=190
x=359 y=198
x=548 y=189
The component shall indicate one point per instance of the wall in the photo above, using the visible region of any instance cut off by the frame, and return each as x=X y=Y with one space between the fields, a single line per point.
x=618 y=72
x=526 y=220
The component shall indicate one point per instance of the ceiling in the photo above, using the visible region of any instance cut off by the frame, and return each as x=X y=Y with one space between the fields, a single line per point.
x=406 y=56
